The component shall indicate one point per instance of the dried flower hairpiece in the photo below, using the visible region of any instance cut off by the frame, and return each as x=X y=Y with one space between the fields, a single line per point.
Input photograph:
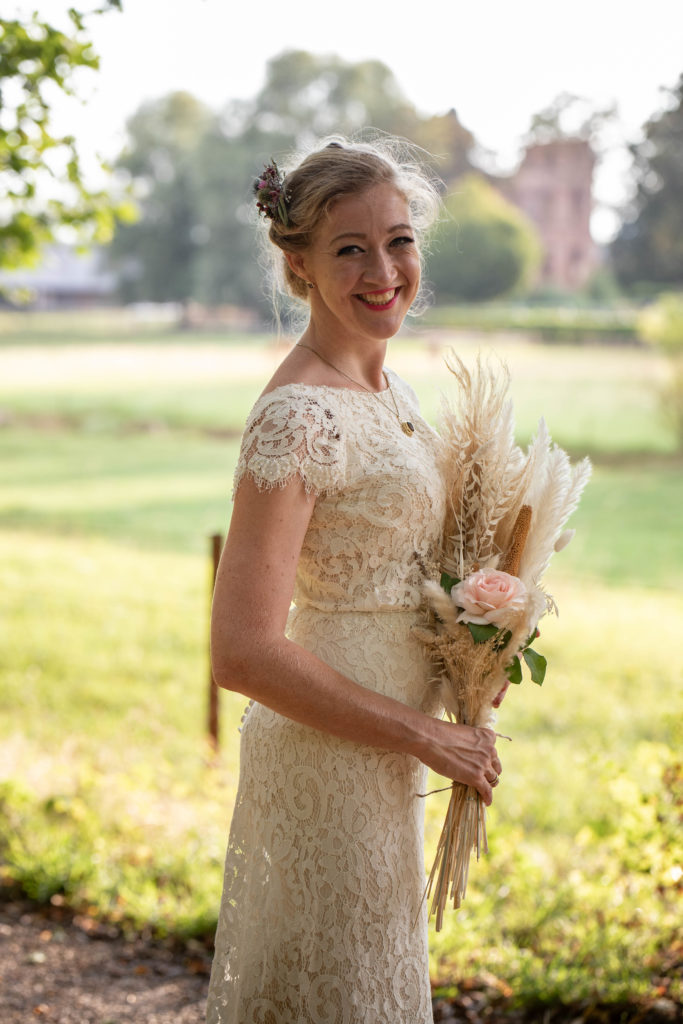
x=271 y=198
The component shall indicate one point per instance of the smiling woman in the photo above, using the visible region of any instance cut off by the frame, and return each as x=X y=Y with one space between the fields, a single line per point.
x=338 y=505
x=362 y=269
x=337 y=171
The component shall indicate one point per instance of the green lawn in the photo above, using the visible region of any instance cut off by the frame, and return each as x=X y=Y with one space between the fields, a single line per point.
x=115 y=463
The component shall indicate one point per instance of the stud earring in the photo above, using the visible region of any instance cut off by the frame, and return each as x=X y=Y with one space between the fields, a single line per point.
x=309 y=284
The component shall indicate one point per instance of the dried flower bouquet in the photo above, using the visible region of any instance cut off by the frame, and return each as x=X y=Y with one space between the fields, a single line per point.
x=505 y=518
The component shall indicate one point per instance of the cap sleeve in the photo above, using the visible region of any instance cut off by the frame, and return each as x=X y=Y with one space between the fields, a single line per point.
x=292 y=435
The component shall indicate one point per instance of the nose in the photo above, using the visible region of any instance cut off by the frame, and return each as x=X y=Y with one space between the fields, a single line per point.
x=380 y=267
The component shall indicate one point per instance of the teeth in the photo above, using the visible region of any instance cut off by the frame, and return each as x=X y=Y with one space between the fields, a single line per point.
x=379 y=298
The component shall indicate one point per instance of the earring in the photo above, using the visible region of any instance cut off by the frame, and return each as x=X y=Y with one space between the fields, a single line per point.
x=309 y=284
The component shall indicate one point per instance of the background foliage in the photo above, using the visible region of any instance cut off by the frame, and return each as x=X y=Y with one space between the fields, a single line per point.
x=41 y=172
x=485 y=247
x=649 y=247
x=191 y=168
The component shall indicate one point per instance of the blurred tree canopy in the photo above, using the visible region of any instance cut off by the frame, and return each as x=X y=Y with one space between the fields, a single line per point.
x=568 y=116
x=192 y=170
x=35 y=58
x=649 y=246
x=155 y=254
x=486 y=247
x=191 y=178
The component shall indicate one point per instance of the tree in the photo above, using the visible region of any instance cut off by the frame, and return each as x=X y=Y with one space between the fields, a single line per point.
x=486 y=247
x=192 y=181
x=448 y=142
x=569 y=117
x=155 y=255
x=649 y=246
x=36 y=57
x=226 y=268
x=192 y=170
x=307 y=96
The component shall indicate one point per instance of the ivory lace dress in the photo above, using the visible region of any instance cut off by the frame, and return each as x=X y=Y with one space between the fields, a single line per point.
x=324 y=871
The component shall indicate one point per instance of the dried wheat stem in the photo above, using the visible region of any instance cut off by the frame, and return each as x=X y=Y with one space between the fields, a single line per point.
x=520 y=532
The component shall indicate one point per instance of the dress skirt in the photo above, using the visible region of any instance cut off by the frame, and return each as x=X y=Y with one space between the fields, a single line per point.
x=322 y=918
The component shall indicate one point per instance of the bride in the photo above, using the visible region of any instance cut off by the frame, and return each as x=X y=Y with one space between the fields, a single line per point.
x=338 y=502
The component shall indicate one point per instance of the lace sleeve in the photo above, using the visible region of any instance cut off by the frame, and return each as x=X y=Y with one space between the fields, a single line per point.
x=292 y=435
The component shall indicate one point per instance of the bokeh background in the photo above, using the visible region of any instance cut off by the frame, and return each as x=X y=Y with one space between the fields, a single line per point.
x=136 y=332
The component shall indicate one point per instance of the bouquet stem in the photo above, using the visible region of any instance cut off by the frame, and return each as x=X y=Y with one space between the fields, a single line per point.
x=464 y=830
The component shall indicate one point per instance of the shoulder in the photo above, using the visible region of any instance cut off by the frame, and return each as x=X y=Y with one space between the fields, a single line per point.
x=401 y=387
x=294 y=430
x=295 y=403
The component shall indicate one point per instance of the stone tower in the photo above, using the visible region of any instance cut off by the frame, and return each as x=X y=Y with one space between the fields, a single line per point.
x=553 y=186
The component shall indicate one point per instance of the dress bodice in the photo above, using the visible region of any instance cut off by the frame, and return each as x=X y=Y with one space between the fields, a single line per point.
x=380 y=499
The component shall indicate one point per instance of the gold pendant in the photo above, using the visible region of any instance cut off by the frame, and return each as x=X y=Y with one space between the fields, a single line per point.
x=408 y=428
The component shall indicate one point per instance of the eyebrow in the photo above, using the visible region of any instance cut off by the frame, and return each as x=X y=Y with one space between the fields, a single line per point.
x=361 y=234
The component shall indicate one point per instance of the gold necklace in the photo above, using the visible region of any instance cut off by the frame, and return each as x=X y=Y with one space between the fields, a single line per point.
x=406 y=426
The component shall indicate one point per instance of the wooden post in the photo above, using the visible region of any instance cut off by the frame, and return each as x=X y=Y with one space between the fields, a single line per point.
x=216 y=542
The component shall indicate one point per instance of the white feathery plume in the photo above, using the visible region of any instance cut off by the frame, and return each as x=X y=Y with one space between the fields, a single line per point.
x=507 y=508
x=485 y=470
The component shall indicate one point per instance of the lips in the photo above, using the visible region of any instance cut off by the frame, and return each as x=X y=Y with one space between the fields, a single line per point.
x=379 y=300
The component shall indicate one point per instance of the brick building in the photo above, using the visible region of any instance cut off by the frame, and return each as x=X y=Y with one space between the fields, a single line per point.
x=553 y=186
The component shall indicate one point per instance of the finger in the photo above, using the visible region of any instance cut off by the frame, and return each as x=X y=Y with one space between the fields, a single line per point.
x=498 y=699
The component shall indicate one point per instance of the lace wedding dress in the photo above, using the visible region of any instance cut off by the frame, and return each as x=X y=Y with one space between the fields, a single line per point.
x=324 y=871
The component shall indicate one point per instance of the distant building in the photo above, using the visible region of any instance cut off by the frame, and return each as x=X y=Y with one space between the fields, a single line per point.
x=554 y=187
x=63 y=278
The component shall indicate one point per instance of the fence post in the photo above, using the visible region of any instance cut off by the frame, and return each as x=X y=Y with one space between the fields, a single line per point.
x=216 y=542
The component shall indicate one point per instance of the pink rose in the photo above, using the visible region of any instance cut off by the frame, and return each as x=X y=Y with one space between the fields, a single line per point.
x=488 y=597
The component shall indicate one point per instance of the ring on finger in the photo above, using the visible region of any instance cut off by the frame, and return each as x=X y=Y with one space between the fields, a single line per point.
x=495 y=780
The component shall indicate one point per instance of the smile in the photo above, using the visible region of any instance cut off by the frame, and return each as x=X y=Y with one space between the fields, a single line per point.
x=380 y=300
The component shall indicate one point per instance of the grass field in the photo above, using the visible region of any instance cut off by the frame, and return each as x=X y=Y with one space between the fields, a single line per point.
x=116 y=453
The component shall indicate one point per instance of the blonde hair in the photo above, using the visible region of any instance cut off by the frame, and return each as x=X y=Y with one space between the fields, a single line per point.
x=338 y=168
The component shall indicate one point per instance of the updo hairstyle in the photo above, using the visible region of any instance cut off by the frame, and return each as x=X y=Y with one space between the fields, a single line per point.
x=339 y=169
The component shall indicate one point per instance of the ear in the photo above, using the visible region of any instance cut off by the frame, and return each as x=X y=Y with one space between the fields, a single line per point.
x=297 y=263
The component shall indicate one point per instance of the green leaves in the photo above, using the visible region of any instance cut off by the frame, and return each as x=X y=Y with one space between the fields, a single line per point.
x=41 y=61
x=480 y=634
x=536 y=664
x=448 y=582
x=514 y=671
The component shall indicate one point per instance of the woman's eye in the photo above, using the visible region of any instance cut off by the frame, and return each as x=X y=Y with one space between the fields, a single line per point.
x=349 y=250
x=403 y=240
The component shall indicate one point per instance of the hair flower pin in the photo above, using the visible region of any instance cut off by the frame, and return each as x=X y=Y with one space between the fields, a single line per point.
x=270 y=194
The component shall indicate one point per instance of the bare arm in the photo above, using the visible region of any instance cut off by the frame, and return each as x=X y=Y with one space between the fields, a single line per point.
x=251 y=654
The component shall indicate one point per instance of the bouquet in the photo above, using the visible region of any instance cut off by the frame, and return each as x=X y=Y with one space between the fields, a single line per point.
x=506 y=513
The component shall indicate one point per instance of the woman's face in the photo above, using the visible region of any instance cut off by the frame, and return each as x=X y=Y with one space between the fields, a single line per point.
x=365 y=265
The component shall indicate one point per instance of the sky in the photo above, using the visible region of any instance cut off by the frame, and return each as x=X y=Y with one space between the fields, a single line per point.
x=496 y=62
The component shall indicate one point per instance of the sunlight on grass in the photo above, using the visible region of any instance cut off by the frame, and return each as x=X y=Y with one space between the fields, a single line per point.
x=111 y=796
x=116 y=466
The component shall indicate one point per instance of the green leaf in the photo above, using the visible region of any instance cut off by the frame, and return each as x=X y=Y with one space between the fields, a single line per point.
x=448 y=582
x=537 y=665
x=514 y=671
x=480 y=634
x=503 y=640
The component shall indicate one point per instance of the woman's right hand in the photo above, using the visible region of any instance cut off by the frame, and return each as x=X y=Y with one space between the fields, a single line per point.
x=463 y=753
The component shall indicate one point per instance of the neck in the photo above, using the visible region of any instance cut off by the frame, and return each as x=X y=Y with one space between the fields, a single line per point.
x=363 y=360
